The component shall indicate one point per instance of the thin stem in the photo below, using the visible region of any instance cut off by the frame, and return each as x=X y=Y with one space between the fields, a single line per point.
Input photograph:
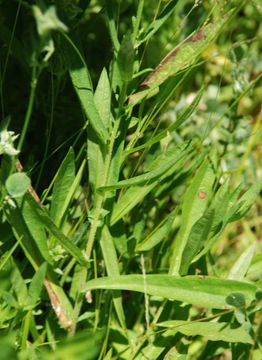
x=29 y=107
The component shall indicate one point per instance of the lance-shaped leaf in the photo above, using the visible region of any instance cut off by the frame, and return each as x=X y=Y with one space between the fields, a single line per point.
x=202 y=291
x=83 y=86
x=182 y=56
x=180 y=120
x=160 y=166
x=194 y=205
x=213 y=331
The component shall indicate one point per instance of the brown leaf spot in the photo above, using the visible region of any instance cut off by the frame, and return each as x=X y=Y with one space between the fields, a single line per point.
x=202 y=194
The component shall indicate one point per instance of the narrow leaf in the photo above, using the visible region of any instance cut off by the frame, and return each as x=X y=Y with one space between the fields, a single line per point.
x=213 y=331
x=63 y=181
x=180 y=120
x=184 y=55
x=198 y=234
x=159 y=233
x=161 y=165
x=195 y=201
x=54 y=230
x=241 y=266
x=83 y=86
x=112 y=268
x=202 y=291
x=36 y=284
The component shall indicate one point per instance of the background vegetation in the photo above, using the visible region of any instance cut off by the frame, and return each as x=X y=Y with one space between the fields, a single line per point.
x=130 y=209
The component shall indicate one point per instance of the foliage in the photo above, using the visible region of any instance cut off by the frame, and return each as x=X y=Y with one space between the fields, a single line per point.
x=130 y=178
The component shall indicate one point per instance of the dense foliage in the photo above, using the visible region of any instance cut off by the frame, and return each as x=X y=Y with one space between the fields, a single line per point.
x=130 y=177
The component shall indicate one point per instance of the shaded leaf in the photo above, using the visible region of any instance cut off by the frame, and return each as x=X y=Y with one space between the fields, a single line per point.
x=63 y=182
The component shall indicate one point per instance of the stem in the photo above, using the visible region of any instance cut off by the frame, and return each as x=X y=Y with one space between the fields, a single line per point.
x=29 y=107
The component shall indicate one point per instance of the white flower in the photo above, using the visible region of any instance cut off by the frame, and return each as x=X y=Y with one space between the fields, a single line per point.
x=6 y=143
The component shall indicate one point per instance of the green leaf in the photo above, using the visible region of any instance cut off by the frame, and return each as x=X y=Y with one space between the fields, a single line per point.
x=161 y=165
x=236 y=299
x=19 y=287
x=202 y=291
x=135 y=194
x=213 y=331
x=125 y=57
x=129 y=200
x=37 y=231
x=83 y=86
x=112 y=268
x=182 y=56
x=17 y=184
x=180 y=120
x=195 y=202
x=159 y=233
x=36 y=284
x=103 y=99
x=54 y=230
x=197 y=237
x=64 y=179
x=241 y=266
x=85 y=345
x=246 y=201
x=23 y=235
x=158 y=22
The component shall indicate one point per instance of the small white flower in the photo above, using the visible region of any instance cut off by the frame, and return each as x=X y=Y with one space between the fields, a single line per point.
x=6 y=142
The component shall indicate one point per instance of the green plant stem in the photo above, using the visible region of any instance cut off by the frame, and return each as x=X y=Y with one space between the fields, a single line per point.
x=25 y=330
x=29 y=107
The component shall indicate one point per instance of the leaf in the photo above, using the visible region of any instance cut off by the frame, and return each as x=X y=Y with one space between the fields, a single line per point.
x=202 y=291
x=103 y=99
x=194 y=205
x=182 y=56
x=37 y=231
x=246 y=201
x=17 y=184
x=46 y=221
x=157 y=23
x=126 y=57
x=159 y=233
x=112 y=268
x=213 y=331
x=129 y=200
x=180 y=120
x=96 y=150
x=198 y=234
x=23 y=235
x=135 y=194
x=241 y=266
x=85 y=345
x=19 y=287
x=83 y=86
x=36 y=284
x=161 y=165
x=236 y=299
x=63 y=182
